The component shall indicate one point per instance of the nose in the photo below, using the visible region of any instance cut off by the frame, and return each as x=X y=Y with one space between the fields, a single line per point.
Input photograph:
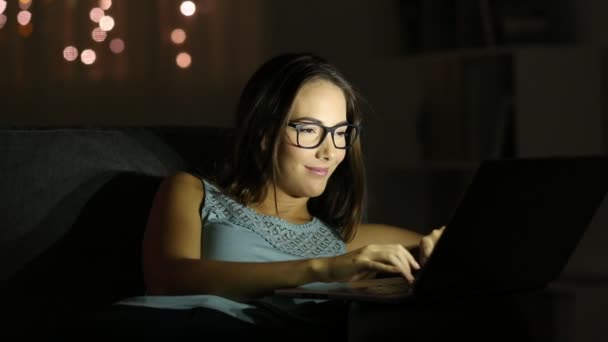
x=327 y=150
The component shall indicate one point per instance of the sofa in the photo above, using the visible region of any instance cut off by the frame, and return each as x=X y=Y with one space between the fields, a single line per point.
x=74 y=205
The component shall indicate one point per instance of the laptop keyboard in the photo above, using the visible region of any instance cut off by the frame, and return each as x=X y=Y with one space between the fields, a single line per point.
x=383 y=286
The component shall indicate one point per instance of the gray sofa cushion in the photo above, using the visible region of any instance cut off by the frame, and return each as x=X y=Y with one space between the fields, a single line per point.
x=49 y=173
x=74 y=205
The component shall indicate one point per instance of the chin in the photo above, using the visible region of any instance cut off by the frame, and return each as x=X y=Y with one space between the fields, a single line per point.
x=316 y=190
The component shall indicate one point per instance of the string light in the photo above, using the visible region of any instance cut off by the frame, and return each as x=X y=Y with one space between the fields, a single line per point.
x=187 y=8
x=70 y=53
x=106 y=23
x=96 y=14
x=105 y=4
x=178 y=36
x=24 y=17
x=98 y=34
x=183 y=60
x=88 y=57
x=25 y=4
x=117 y=45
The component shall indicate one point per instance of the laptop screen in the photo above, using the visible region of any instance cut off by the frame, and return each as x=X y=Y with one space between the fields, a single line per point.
x=516 y=225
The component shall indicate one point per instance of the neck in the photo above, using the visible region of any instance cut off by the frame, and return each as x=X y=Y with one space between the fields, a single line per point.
x=291 y=209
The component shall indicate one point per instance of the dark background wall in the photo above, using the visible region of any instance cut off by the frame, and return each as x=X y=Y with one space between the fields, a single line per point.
x=447 y=83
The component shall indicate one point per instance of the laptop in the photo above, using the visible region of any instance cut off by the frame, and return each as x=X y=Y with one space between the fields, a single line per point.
x=513 y=231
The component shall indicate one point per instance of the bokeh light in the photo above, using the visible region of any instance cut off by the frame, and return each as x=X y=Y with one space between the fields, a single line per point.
x=24 y=17
x=2 y=6
x=183 y=60
x=96 y=14
x=25 y=4
x=187 y=8
x=178 y=36
x=106 y=23
x=70 y=53
x=2 y=20
x=117 y=45
x=98 y=34
x=105 y=4
x=88 y=56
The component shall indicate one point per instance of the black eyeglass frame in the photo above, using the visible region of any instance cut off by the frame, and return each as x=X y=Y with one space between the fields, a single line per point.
x=326 y=130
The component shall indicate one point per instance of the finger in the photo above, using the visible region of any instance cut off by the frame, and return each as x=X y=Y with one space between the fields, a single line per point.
x=396 y=259
x=427 y=245
x=411 y=260
x=408 y=258
x=426 y=248
x=436 y=233
x=381 y=267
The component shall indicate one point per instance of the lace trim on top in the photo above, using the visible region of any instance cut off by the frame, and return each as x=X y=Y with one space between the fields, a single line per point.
x=310 y=239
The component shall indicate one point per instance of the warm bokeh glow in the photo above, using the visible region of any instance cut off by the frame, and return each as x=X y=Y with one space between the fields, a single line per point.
x=187 y=8
x=70 y=53
x=117 y=45
x=2 y=20
x=105 y=4
x=88 y=56
x=106 y=23
x=183 y=60
x=96 y=14
x=25 y=30
x=25 y=4
x=24 y=17
x=98 y=34
x=2 y=6
x=178 y=36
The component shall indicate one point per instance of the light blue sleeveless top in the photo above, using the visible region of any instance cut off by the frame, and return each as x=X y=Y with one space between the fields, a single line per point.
x=234 y=232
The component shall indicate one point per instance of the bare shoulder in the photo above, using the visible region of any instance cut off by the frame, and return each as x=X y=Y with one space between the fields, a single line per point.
x=181 y=186
x=178 y=197
x=183 y=181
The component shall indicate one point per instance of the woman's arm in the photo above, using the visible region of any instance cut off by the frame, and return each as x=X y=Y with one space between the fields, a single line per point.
x=381 y=233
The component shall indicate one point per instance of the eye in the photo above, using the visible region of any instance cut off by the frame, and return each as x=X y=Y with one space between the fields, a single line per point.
x=342 y=131
x=307 y=129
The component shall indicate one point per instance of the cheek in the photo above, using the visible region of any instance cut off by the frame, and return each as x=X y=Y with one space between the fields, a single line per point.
x=290 y=156
x=340 y=157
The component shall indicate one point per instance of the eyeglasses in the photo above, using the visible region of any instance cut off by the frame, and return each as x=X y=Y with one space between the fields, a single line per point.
x=311 y=135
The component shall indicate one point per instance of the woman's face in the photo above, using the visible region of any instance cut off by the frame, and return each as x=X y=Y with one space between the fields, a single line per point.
x=305 y=172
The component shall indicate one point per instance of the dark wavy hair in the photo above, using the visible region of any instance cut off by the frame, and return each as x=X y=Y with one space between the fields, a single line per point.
x=262 y=115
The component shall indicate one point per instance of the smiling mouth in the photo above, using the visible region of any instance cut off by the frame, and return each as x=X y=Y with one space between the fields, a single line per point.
x=319 y=171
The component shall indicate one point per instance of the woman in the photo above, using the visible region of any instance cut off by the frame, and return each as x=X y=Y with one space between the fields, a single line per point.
x=286 y=213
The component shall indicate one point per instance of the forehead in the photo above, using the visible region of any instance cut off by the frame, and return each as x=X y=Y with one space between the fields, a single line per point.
x=320 y=100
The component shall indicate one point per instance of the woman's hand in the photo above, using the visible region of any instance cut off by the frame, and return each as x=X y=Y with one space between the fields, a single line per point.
x=366 y=261
x=427 y=244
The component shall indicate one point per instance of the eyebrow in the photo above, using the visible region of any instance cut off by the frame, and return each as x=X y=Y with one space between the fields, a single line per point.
x=317 y=121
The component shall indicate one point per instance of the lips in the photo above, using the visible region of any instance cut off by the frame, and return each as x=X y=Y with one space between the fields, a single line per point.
x=319 y=171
